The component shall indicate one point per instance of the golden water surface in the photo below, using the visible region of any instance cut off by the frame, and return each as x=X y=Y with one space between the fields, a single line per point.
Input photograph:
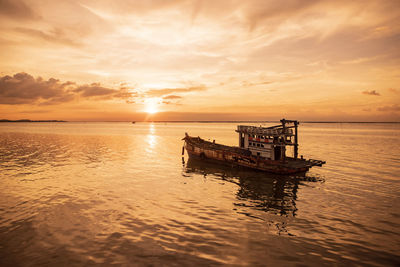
x=120 y=193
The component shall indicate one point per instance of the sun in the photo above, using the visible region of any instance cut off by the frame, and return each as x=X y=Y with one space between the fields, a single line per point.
x=151 y=106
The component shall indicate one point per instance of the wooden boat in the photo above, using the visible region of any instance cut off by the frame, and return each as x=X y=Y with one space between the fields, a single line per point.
x=260 y=148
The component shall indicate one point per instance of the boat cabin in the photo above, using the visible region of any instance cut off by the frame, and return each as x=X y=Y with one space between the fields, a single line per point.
x=269 y=142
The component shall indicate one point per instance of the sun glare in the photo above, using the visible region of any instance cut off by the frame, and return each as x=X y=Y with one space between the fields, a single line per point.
x=151 y=106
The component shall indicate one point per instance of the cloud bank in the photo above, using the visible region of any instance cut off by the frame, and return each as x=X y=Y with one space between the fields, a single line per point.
x=17 y=9
x=23 y=88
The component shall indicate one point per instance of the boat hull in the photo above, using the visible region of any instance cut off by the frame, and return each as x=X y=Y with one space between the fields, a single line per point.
x=233 y=156
x=246 y=166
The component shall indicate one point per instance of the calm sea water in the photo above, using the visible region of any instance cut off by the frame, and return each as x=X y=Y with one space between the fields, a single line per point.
x=120 y=194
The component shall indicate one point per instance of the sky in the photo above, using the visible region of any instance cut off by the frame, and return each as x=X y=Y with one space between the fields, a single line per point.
x=120 y=60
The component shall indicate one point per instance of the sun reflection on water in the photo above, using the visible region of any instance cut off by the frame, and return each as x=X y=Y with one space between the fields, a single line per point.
x=151 y=137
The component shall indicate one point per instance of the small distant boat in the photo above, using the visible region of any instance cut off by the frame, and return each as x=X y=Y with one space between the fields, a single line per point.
x=133 y=122
x=260 y=148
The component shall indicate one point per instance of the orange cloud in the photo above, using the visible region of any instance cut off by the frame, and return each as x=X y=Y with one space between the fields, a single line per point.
x=394 y=108
x=162 y=92
x=56 y=35
x=372 y=92
x=23 y=88
x=94 y=89
x=172 y=97
x=16 y=9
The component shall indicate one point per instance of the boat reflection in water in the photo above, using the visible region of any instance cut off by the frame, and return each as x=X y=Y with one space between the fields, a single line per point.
x=260 y=195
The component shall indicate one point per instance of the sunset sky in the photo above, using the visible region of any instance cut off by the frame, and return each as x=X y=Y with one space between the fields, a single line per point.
x=98 y=60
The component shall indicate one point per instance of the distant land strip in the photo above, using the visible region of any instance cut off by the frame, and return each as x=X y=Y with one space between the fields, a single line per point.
x=25 y=120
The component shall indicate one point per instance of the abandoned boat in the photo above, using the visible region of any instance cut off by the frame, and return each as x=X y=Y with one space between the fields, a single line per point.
x=260 y=148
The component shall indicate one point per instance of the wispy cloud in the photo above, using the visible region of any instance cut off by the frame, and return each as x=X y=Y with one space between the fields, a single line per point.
x=167 y=91
x=372 y=92
x=394 y=90
x=172 y=97
x=247 y=83
x=56 y=35
x=392 y=108
x=272 y=12
x=361 y=60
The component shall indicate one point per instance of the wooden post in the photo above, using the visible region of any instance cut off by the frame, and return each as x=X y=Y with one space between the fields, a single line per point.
x=296 y=144
x=284 y=140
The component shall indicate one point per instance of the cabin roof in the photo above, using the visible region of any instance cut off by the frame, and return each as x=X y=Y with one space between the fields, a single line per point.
x=269 y=131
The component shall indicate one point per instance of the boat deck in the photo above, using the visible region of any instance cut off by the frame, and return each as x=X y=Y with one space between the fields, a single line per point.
x=214 y=146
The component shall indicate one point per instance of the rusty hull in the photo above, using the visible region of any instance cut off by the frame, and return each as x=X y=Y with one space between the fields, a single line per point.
x=228 y=155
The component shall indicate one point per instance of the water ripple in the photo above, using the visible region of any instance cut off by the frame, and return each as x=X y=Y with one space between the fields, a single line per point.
x=116 y=194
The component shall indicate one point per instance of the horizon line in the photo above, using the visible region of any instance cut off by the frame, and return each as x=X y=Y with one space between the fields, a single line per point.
x=199 y=121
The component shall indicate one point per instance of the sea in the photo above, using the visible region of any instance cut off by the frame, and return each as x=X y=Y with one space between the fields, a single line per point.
x=122 y=194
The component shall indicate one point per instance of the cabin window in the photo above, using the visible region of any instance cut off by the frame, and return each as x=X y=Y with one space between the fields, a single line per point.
x=258 y=145
x=258 y=154
x=262 y=145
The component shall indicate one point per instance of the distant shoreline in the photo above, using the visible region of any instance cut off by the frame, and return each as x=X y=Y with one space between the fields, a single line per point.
x=25 y=120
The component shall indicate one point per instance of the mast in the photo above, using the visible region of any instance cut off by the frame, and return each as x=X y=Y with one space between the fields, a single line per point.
x=284 y=139
x=296 y=144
